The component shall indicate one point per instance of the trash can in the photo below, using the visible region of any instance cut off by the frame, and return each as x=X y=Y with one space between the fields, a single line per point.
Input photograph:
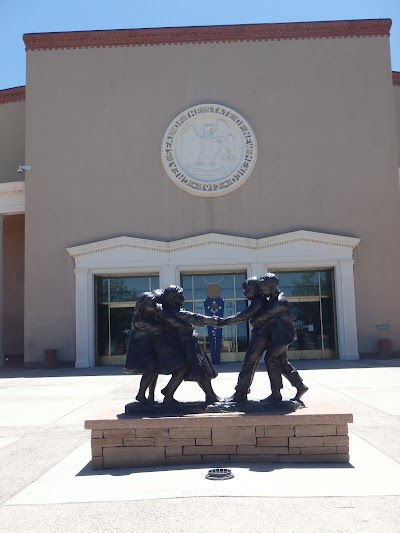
x=50 y=358
x=384 y=347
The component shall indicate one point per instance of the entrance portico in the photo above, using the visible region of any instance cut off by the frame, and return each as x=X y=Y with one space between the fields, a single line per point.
x=298 y=250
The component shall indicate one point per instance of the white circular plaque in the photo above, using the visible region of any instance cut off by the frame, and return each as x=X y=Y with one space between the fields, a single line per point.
x=209 y=150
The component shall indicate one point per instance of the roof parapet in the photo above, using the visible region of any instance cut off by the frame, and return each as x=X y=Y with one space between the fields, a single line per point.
x=15 y=94
x=208 y=34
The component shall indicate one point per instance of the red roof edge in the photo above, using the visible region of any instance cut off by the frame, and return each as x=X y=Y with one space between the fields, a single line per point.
x=208 y=34
x=396 y=78
x=16 y=94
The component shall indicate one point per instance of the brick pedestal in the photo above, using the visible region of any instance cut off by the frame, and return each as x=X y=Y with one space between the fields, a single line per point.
x=308 y=435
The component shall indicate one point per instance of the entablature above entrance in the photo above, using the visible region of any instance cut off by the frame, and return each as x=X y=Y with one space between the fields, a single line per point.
x=12 y=198
x=296 y=246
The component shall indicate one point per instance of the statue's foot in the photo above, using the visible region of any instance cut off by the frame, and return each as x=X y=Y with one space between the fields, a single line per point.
x=127 y=371
x=272 y=398
x=237 y=397
x=213 y=399
x=301 y=390
x=141 y=398
x=171 y=401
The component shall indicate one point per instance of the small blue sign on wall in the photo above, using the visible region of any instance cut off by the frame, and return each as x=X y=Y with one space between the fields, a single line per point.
x=382 y=326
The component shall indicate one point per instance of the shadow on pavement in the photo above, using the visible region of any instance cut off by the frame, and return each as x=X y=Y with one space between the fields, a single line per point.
x=252 y=467
x=223 y=368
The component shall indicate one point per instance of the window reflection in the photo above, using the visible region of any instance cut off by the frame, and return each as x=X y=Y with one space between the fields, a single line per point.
x=234 y=338
x=299 y=283
x=116 y=297
x=311 y=298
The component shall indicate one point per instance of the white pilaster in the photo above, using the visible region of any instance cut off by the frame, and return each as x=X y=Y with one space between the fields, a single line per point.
x=1 y=292
x=168 y=276
x=84 y=319
x=256 y=270
x=346 y=310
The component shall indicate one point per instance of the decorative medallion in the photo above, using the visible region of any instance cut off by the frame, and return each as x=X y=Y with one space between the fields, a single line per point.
x=209 y=150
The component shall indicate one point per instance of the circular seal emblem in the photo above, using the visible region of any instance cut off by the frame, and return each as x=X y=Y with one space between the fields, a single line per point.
x=209 y=150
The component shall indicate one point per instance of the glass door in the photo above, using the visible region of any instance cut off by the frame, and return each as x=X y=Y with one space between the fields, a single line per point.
x=113 y=326
x=115 y=303
x=311 y=298
x=307 y=324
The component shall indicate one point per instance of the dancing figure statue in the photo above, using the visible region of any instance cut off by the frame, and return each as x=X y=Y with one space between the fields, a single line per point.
x=163 y=341
x=273 y=330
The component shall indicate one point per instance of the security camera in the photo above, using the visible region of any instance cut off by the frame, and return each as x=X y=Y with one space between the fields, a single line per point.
x=23 y=168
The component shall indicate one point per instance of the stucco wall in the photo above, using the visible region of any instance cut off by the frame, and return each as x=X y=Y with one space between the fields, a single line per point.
x=322 y=112
x=12 y=140
x=396 y=90
x=13 y=284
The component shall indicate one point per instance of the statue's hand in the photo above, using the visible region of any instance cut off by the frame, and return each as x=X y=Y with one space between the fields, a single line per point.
x=211 y=321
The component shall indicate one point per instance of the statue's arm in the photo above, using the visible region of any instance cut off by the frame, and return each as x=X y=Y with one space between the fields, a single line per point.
x=243 y=316
x=197 y=319
x=186 y=318
x=173 y=320
x=283 y=307
x=144 y=327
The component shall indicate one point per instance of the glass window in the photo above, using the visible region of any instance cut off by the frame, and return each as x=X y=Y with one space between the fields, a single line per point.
x=128 y=289
x=228 y=286
x=102 y=290
x=299 y=283
x=325 y=277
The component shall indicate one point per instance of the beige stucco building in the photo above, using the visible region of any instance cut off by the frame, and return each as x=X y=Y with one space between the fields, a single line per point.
x=200 y=156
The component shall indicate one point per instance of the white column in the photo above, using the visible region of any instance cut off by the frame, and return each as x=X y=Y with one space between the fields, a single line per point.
x=84 y=319
x=168 y=276
x=346 y=310
x=256 y=270
x=1 y=292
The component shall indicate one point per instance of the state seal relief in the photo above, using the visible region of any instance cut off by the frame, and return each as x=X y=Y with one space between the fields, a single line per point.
x=209 y=150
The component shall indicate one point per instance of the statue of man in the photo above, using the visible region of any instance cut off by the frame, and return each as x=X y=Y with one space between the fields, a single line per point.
x=273 y=330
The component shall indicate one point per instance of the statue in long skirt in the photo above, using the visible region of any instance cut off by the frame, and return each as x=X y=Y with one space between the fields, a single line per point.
x=163 y=341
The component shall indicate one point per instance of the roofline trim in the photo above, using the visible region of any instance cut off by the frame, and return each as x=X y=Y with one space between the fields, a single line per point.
x=208 y=34
x=15 y=94
x=396 y=78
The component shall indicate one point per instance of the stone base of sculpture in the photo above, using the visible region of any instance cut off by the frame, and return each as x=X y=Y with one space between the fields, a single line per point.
x=315 y=434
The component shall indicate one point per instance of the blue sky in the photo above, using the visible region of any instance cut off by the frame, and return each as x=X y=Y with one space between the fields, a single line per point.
x=37 y=16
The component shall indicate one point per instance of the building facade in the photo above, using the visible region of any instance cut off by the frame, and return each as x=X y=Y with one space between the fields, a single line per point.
x=199 y=157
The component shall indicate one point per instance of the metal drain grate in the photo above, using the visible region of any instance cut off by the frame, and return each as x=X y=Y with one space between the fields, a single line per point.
x=219 y=473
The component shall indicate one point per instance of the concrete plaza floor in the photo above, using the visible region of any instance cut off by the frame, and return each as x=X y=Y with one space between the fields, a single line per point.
x=47 y=485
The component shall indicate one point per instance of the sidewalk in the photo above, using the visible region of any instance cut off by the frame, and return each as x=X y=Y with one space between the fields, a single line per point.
x=47 y=485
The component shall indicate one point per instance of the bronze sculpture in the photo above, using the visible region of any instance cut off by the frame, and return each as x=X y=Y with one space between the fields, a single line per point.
x=163 y=341
x=273 y=330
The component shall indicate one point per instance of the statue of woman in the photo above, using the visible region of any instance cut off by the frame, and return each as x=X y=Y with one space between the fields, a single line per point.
x=163 y=341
